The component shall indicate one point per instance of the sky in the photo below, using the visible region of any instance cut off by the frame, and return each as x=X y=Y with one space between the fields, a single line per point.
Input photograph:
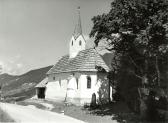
x=36 y=33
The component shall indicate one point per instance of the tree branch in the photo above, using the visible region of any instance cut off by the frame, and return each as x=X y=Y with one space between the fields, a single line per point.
x=135 y=74
x=135 y=63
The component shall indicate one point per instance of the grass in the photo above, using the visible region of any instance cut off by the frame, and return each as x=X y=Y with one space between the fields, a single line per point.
x=76 y=112
x=85 y=115
x=101 y=114
x=4 y=117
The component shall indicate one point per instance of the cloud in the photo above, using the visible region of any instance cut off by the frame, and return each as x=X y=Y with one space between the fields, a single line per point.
x=14 y=68
x=18 y=56
x=5 y=67
x=19 y=65
x=12 y=65
x=1 y=63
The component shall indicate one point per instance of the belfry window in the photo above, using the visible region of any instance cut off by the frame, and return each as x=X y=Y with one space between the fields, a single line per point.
x=80 y=43
x=88 y=82
x=72 y=43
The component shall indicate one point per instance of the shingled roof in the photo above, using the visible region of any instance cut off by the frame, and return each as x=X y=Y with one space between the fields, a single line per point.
x=86 y=60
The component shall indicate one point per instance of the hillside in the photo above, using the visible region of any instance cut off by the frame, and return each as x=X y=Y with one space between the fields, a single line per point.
x=22 y=86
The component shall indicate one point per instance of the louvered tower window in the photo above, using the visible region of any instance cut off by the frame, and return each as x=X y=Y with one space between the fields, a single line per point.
x=80 y=43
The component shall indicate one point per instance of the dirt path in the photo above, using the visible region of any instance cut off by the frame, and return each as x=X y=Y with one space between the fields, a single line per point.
x=25 y=114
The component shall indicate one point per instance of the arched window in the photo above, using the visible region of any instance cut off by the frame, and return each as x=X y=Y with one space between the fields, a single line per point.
x=77 y=83
x=54 y=78
x=60 y=82
x=80 y=43
x=72 y=43
x=88 y=82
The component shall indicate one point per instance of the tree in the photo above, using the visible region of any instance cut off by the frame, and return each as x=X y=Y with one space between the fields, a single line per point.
x=136 y=29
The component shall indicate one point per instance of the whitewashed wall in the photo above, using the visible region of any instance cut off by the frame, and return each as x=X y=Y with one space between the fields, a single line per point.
x=75 y=48
x=85 y=93
x=99 y=86
x=56 y=89
x=73 y=87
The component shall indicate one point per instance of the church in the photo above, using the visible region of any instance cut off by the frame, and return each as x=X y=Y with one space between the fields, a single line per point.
x=78 y=76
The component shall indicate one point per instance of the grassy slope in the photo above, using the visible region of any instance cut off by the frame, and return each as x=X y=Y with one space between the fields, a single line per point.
x=22 y=86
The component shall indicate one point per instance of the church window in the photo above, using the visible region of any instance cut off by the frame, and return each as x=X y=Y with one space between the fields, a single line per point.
x=60 y=82
x=80 y=43
x=77 y=83
x=88 y=82
x=54 y=78
x=72 y=43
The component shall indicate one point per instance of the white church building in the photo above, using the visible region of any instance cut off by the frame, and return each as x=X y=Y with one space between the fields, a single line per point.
x=78 y=75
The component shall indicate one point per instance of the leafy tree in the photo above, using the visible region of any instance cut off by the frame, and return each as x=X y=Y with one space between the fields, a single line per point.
x=138 y=31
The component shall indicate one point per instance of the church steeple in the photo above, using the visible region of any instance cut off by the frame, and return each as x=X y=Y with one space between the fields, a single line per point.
x=78 y=26
x=77 y=42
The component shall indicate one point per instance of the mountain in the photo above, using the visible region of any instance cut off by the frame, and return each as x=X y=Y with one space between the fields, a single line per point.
x=21 y=86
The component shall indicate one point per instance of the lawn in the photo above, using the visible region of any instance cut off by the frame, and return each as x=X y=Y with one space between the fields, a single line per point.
x=80 y=113
x=118 y=112
x=4 y=117
x=102 y=114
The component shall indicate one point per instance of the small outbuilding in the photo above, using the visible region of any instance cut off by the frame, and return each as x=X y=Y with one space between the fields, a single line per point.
x=41 y=88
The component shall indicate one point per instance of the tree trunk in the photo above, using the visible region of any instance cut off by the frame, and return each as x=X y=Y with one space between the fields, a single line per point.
x=158 y=71
x=144 y=77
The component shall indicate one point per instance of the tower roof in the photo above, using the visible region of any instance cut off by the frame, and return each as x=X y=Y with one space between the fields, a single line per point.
x=78 y=26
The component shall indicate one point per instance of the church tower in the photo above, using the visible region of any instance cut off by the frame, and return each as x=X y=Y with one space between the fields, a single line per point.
x=77 y=42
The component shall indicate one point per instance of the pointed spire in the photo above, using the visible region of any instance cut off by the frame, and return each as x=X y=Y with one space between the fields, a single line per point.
x=78 y=26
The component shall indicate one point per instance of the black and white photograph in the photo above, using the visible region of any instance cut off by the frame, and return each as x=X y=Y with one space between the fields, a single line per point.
x=83 y=61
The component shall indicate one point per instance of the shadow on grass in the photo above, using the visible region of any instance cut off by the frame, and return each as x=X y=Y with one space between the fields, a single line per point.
x=118 y=111
x=24 y=103
x=110 y=109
